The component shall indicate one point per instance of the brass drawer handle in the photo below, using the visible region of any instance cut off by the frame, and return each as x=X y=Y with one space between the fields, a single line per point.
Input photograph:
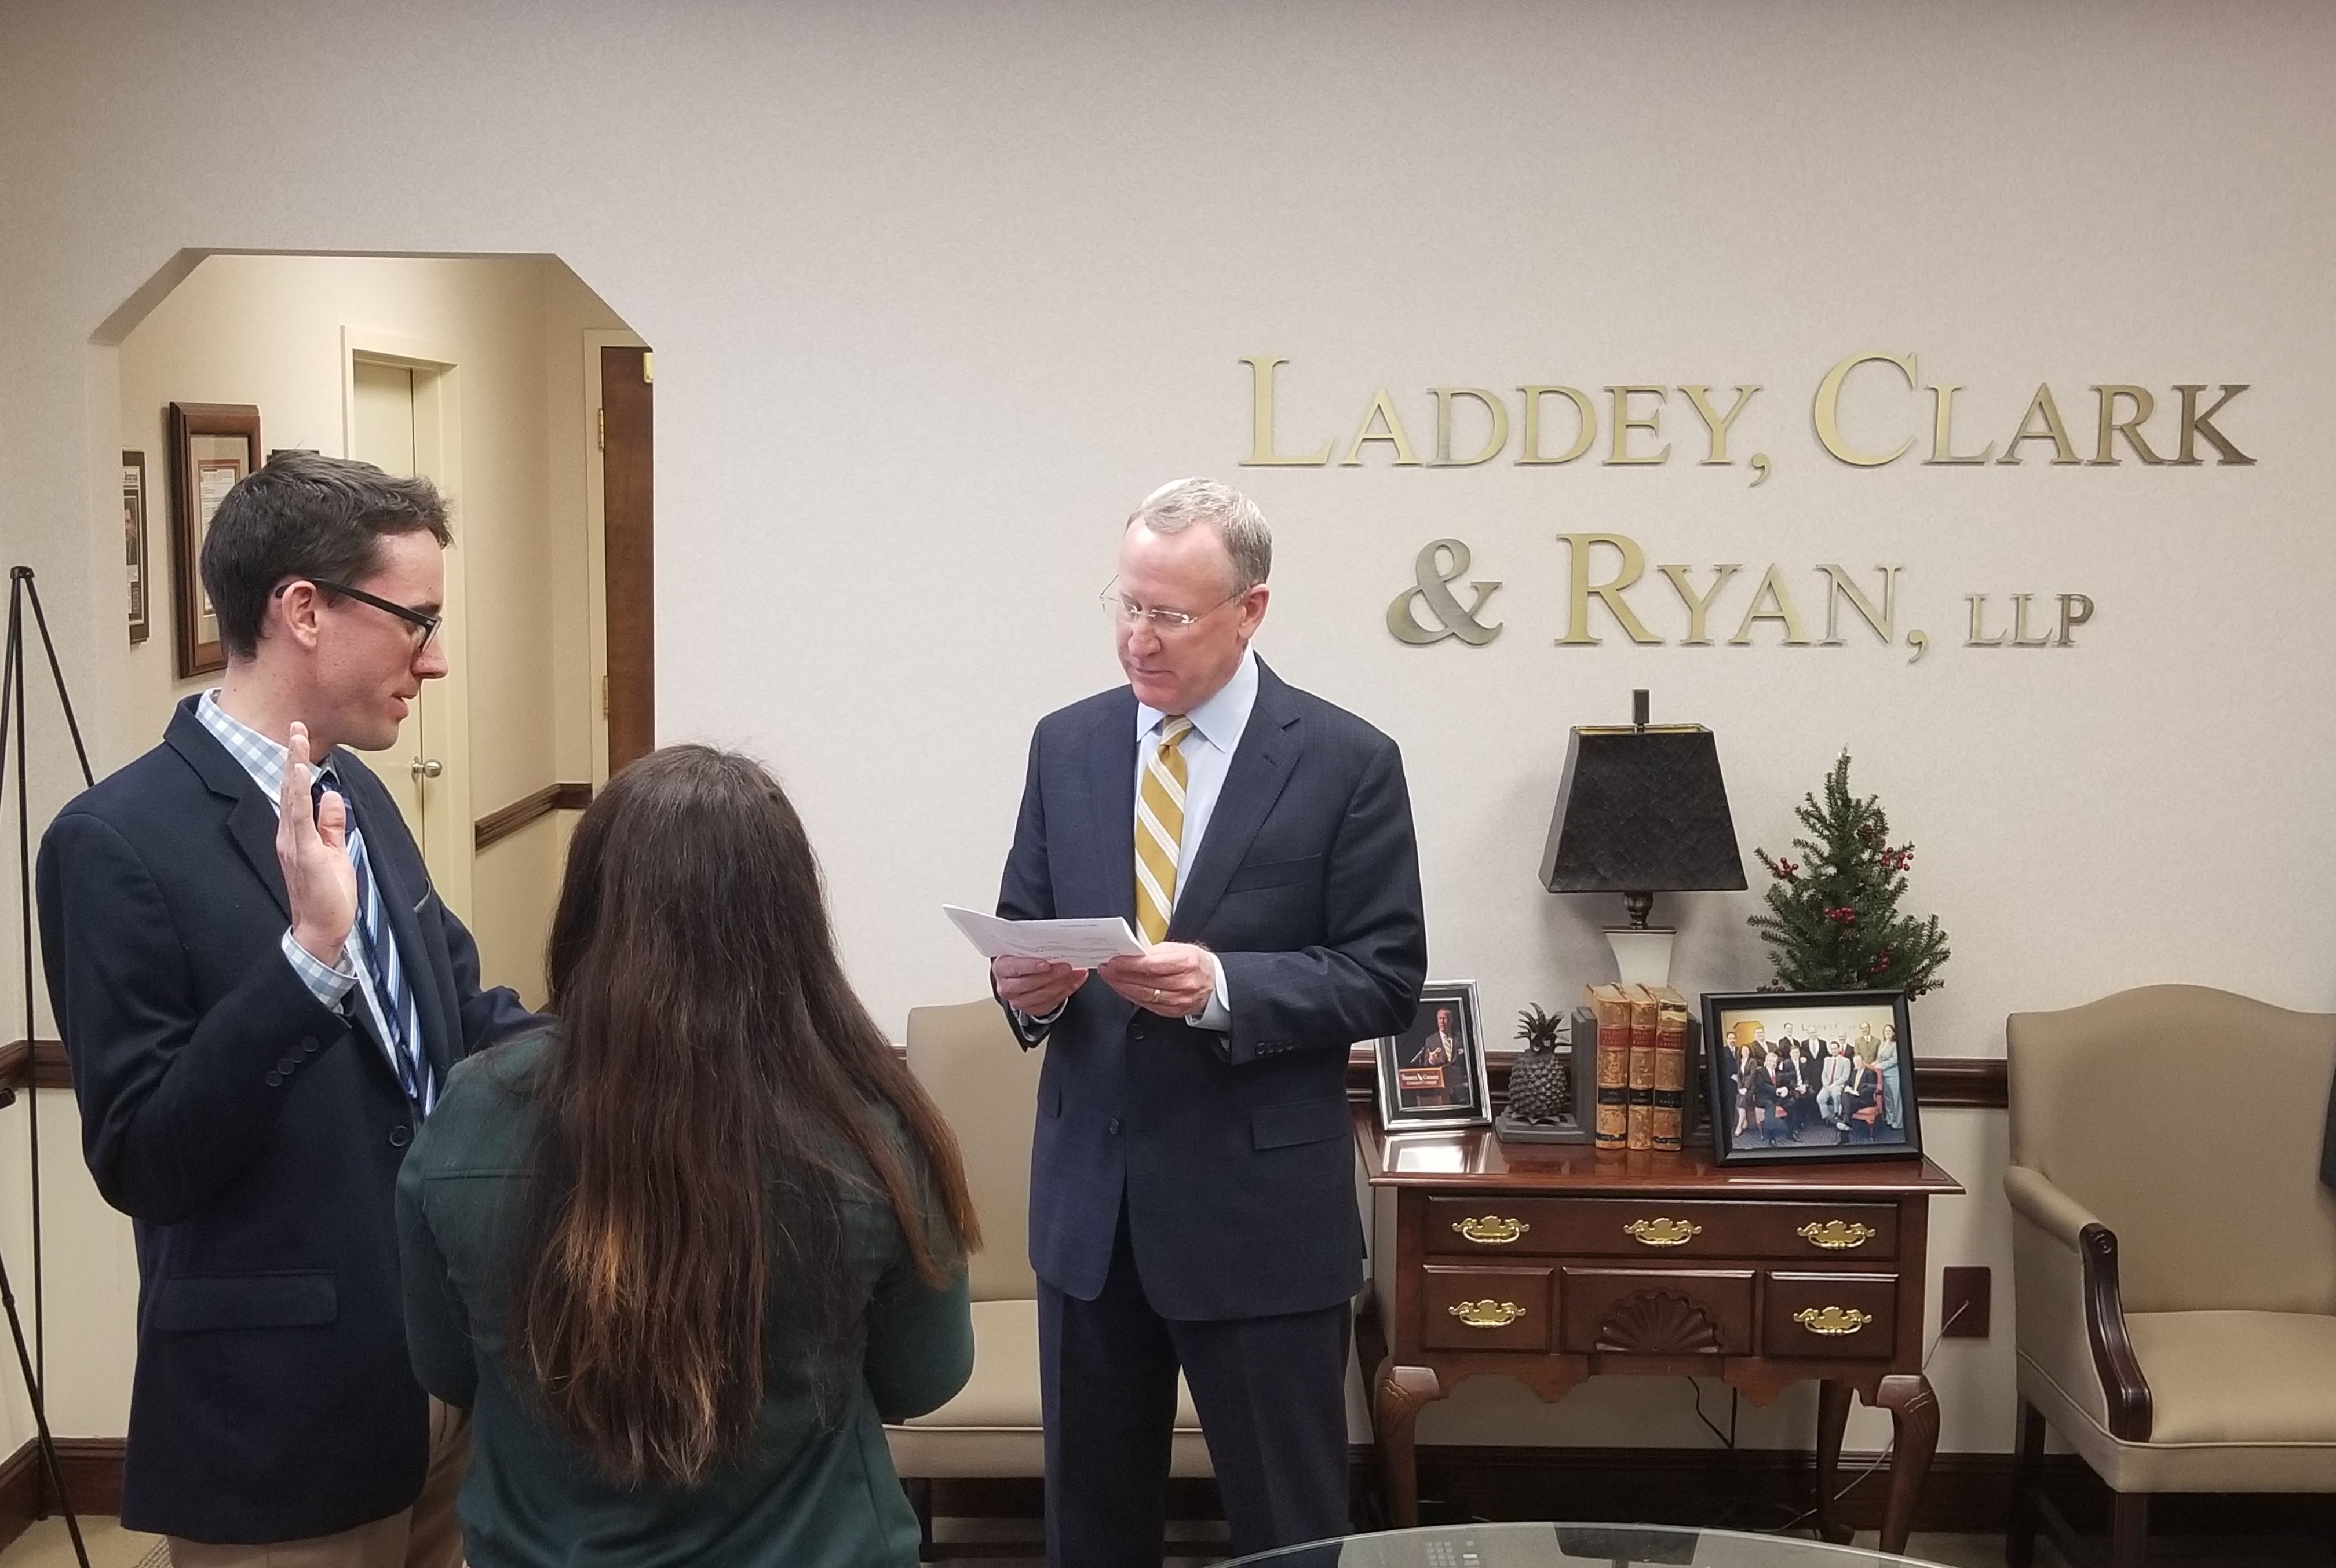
x=1837 y=1235
x=1486 y=1313
x=1832 y=1319
x=1661 y=1231
x=1492 y=1231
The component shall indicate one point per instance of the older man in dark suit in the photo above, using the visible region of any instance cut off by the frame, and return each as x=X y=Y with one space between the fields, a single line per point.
x=1192 y=1200
x=261 y=994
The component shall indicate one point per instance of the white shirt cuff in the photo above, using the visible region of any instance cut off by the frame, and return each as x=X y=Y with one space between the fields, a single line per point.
x=1218 y=1013
x=1040 y=1021
x=329 y=984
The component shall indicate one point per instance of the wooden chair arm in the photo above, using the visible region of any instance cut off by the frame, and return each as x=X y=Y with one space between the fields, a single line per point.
x=2127 y=1390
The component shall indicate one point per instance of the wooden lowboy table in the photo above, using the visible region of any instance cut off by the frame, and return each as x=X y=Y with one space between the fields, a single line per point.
x=1549 y=1263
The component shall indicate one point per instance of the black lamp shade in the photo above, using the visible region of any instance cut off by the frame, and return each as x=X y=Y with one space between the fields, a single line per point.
x=1642 y=811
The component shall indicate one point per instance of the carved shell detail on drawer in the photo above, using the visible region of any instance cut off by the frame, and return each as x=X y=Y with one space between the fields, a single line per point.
x=1658 y=1323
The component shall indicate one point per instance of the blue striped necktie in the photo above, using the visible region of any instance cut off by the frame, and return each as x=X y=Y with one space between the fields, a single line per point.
x=380 y=949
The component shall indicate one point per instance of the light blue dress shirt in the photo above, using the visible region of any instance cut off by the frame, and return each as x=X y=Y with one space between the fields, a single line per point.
x=265 y=760
x=1217 y=726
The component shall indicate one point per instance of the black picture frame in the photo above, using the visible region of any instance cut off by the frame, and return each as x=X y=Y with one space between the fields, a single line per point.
x=141 y=582
x=1800 y=1109
x=1461 y=1093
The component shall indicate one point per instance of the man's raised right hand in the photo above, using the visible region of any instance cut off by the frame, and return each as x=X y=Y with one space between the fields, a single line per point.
x=312 y=847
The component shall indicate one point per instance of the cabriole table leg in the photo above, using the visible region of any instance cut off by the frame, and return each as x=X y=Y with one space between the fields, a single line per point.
x=1914 y=1423
x=1402 y=1390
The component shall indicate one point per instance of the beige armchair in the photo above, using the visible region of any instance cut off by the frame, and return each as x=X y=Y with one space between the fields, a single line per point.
x=988 y=1087
x=2173 y=1250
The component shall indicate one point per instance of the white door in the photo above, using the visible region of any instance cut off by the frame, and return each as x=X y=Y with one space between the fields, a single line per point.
x=394 y=413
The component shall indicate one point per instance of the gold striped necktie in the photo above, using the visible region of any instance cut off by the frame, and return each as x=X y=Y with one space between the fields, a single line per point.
x=1160 y=829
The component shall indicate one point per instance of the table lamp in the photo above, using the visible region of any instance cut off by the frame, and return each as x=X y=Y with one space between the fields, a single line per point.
x=1641 y=809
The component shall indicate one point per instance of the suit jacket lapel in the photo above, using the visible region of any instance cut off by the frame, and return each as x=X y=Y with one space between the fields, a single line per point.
x=250 y=825
x=250 y=821
x=1260 y=769
x=1110 y=789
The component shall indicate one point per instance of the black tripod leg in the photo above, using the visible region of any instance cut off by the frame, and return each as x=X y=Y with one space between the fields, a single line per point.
x=56 y=672
x=12 y=704
x=21 y=584
x=47 y=1443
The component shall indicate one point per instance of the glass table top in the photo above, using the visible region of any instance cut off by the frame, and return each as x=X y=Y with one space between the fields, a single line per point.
x=1570 y=1545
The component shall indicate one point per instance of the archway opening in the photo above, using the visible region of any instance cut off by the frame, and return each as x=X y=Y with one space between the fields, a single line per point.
x=526 y=397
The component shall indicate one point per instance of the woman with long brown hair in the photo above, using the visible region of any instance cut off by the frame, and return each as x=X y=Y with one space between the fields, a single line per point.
x=686 y=1249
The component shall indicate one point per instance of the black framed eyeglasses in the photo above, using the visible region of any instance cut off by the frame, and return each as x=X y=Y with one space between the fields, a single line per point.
x=427 y=624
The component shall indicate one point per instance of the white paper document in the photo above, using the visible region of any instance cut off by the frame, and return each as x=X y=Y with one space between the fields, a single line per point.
x=1084 y=943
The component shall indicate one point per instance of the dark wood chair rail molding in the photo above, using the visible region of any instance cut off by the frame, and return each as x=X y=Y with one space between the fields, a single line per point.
x=34 y=1064
x=498 y=825
x=1965 y=1083
x=1960 y=1082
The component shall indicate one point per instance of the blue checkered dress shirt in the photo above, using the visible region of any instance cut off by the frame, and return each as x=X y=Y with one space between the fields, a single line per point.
x=264 y=761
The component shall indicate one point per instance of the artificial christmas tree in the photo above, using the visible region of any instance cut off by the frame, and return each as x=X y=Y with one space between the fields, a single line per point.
x=1833 y=922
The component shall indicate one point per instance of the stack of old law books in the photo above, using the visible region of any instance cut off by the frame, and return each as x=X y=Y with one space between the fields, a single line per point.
x=1642 y=1056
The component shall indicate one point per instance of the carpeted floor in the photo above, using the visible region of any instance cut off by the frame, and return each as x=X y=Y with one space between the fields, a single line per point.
x=47 y=1546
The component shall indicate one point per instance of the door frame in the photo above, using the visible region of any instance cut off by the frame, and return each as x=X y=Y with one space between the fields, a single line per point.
x=449 y=835
x=596 y=540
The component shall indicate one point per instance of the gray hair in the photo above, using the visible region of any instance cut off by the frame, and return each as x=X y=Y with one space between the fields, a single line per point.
x=1231 y=515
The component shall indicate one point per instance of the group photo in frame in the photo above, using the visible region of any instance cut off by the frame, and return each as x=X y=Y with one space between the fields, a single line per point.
x=1431 y=1073
x=213 y=446
x=1797 y=1076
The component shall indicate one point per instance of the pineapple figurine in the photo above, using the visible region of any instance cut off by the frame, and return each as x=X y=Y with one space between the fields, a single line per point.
x=1540 y=1082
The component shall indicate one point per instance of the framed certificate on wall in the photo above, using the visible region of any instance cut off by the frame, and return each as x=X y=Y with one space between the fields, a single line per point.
x=133 y=545
x=213 y=445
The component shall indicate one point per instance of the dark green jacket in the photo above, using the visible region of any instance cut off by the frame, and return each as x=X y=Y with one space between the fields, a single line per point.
x=811 y=1495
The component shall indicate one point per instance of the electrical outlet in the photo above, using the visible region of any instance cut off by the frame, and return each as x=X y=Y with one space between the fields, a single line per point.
x=1963 y=1297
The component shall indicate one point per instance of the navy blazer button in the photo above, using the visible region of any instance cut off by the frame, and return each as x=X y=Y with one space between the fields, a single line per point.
x=285 y=1064
x=400 y=1135
x=1136 y=1030
x=308 y=1044
x=1114 y=1126
x=274 y=1080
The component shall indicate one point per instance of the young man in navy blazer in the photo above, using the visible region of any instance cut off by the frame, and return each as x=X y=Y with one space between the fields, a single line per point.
x=1193 y=1177
x=261 y=994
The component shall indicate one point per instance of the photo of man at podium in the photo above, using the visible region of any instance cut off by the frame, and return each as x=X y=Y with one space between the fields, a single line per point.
x=1435 y=1072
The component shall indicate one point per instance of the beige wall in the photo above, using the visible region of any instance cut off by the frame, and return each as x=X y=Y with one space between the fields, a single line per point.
x=91 y=1285
x=936 y=295
x=512 y=895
